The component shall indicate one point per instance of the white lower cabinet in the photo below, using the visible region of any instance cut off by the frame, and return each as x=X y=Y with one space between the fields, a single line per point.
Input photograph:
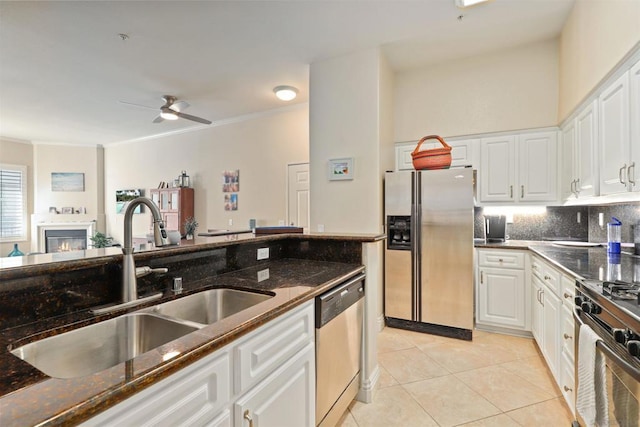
x=273 y=372
x=550 y=329
x=502 y=299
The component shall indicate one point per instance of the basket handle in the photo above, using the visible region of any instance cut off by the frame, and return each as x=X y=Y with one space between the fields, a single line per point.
x=444 y=144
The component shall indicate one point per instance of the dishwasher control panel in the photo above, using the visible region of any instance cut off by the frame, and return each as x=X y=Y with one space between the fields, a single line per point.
x=332 y=303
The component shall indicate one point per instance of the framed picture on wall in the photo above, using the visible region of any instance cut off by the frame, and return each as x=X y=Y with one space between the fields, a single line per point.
x=341 y=169
x=123 y=197
x=67 y=181
x=67 y=210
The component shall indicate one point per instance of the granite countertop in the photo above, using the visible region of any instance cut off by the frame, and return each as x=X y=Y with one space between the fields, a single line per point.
x=29 y=397
x=11 y=267
x=581 y=262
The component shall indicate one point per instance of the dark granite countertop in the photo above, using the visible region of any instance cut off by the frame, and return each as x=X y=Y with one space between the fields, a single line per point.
x=581 y=262
x=29 y=397
x=11 y=267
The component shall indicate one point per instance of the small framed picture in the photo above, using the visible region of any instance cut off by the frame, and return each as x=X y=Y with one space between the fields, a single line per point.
x=67 y=210
x=53 y=210
x=341 y=169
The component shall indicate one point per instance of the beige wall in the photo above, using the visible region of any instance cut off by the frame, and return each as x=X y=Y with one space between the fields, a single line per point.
x=507 y=90
x=19 y=153
x=597 y=35
x=344 y=121
x=260 y=148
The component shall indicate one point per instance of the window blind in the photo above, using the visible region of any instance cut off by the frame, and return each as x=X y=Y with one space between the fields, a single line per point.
x=12 y=203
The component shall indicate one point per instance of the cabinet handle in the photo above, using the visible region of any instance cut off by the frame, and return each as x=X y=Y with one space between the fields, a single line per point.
x=573 y=187
x=538 y=296
x=247 y=417
x=535 y=266
x=511 y=191
x=577 y=187
x=567 y=388
x=567 y=296
x=631 y=175
x=546 y=277
x=500 y=260
x=567 y=336
x=622 y=169
x=522 y=191
x=481 y=277
x=542 y=297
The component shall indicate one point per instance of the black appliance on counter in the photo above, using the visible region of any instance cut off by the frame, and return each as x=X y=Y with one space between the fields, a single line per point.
x=612 y=310
x=495 y=228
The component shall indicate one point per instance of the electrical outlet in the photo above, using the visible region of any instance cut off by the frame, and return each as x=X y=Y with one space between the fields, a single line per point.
x=601 y=219
x=321 y=228
x=281 y=222
x=263 y=275
x=230 y=221
x=263 y=253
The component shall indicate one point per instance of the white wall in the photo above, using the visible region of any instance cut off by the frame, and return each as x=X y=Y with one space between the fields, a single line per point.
x=597 y=35
x=344 y=122
x=260 y=148
x=507 y=90
x=19 y=153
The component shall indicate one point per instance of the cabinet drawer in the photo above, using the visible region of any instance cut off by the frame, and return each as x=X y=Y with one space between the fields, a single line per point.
x=193 y=396
x=501 y=259
x=549 y=275
x=568 y=289
x=269 y=347
x=568 y=383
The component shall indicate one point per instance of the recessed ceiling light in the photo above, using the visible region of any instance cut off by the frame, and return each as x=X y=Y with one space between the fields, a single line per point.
x=285 y=93
x=468 y=3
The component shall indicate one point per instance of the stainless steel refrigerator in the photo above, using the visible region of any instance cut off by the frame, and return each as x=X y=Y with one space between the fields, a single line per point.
x=429 y=251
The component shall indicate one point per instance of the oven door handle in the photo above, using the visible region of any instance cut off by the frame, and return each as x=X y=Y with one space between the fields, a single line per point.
x=602 y=346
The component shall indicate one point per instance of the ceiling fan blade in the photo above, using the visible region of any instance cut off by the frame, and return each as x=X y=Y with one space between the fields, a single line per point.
x=194 y=118
x=137 y=105
x=158 y=119
x=179 y=106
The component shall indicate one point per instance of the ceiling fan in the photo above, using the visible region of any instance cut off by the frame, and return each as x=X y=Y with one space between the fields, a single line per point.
x=172 y=110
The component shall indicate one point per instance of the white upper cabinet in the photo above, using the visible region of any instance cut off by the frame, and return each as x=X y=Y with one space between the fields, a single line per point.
x=585 y=151
x=519 y=168
x=568 y=174
x=497 y=161
x=538 y=166
x=634 y=86
x=462 y=152
x=614 y=136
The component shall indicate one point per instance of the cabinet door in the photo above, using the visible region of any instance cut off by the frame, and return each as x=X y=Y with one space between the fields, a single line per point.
x=586 y=149
x=404 y=160
x=538 y=171
x=551 y=326
x=155 y=197
x=497 y=158
x=568 y=383
x=634 y=86
x=171 y=221
x=614 y=136
x=568 y=169
x=286 y=398
x=174 y=200
x=462 y=152
x=536 y=310
x=501 y=298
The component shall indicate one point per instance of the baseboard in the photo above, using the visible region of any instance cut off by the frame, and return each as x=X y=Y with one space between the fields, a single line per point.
x=367 y=386
x=381 y=323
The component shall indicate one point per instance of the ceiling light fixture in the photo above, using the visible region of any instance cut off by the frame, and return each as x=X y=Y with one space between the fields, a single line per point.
x=168 y=114
x=468 y=3
x=285 y=93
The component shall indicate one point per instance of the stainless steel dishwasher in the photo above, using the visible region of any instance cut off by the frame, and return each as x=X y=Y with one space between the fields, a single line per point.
x=339 y=315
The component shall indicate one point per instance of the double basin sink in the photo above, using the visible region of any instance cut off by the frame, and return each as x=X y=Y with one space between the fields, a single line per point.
x=94 y=348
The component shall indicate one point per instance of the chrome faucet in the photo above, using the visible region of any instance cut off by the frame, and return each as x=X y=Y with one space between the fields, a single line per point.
x=129 y=271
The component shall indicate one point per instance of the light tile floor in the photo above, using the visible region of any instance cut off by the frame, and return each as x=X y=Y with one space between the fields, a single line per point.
x=493 y=381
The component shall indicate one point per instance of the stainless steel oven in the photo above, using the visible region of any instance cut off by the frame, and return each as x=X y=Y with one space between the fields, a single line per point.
x=618 y=342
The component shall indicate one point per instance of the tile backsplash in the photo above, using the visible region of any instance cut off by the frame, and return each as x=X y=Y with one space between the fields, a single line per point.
x=561 y=223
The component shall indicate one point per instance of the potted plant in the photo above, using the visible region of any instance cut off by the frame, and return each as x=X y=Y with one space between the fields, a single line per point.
x=190 y=226
x=100 y=240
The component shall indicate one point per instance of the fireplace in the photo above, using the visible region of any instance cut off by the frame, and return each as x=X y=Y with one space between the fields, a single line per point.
x=65 y=240
x=64 y=236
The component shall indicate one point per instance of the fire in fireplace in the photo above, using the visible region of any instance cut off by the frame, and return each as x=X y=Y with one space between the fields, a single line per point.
x=65 y=240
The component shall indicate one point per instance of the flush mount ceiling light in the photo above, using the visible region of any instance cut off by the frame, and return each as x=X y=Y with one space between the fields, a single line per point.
x=468 y=3
x=285 y=93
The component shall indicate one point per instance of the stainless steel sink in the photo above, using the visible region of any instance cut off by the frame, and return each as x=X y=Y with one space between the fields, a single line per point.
x=210 y=306
x=96 y=347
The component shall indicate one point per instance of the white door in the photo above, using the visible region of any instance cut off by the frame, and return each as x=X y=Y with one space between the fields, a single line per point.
x=298 y=195
x=497 y=158
x=586 y=143
x=614 y=136
x=538 y=172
